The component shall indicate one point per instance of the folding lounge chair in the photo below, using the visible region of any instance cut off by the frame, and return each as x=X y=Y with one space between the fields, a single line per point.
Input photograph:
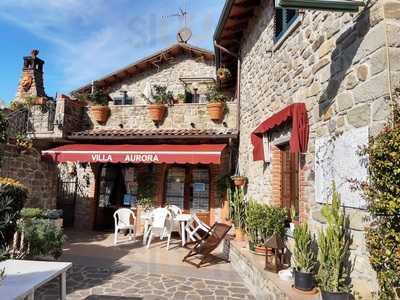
x=203 y=247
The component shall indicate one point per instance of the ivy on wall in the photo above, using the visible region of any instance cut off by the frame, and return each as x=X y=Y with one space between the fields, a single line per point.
x=382 y=191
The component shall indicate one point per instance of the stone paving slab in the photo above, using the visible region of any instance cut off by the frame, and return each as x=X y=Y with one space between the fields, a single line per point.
x=123 y=283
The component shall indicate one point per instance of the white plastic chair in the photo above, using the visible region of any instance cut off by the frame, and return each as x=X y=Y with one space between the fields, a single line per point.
x=161 y=225
x=122 y=221
x=175 y=210
x=194 y=226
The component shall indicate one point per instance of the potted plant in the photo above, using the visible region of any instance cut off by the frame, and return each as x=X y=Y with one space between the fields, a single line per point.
x=334 y=250
x=304 y=258
x=99 y=105
x=237 y=212
x=223 y=74
x=157 y=105
x=180 y=98
x=239 y=180
x=256 y=214
x=23 y=143
x=216 y=106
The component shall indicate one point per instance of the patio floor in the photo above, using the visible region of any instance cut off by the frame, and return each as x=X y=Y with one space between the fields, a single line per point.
x=131 y=271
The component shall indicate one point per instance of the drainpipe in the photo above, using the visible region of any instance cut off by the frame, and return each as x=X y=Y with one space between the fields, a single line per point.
x=237 y=56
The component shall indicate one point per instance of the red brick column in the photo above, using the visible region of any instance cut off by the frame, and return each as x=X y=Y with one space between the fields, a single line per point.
x=276 y=176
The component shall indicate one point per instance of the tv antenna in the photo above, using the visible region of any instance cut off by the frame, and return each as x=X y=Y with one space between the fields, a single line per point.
x=184 y=34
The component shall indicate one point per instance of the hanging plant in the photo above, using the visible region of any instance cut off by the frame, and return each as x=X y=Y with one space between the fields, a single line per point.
x=223 y=74
x=239 y=180
x=23 y=143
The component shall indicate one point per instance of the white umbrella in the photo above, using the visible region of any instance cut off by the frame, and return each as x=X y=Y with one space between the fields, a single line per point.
x=148 y=93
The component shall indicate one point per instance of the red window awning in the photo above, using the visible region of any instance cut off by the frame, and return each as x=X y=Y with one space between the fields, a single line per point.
x=158 y=154
x=297 y=112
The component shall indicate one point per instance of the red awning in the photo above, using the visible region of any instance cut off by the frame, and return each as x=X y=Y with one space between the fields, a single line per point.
x=158 y=154
x=299 y=134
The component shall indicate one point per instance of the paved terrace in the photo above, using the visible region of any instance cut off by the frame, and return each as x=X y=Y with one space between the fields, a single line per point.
x=131 y=271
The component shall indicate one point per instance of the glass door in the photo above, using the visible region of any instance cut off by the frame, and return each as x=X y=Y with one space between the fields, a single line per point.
x=175 y=187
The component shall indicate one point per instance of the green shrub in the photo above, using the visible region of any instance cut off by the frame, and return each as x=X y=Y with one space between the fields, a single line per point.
x=275 y=221
x=12 y=198
x=262 y=221
x=334 y=249
x=43 y=237
x=30 y=213
x=304 y=256
x=255 y=218
x=382 y=192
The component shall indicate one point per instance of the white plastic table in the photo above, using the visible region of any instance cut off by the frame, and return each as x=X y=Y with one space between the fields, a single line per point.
x=181 y=218
x=23 y=277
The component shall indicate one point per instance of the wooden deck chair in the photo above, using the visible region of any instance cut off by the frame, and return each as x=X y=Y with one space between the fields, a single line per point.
x=203 y=247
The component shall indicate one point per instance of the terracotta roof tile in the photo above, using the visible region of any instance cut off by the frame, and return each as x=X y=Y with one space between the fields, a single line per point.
x=137 y=133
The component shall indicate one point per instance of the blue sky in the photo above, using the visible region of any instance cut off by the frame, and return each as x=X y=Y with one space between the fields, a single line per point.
x=81 y=40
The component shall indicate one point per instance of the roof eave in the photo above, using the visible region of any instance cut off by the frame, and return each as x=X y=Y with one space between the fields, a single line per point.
x=106 y=137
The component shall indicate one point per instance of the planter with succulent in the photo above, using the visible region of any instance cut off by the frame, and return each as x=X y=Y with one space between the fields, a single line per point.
x=237 y=212
x=23 y=143
x=223 y=74
x=216 y=106
x=239 y=180
x=157 y=105
x=99 y=104
x=304 y=258
x=334 y=251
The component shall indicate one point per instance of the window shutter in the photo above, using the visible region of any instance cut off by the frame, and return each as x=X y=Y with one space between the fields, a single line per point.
x=278 y=22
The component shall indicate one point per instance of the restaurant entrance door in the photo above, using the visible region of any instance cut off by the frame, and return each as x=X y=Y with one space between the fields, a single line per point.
x=188 y=187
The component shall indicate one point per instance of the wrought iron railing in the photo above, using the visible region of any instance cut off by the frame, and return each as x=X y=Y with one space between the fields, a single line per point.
x=18 y=123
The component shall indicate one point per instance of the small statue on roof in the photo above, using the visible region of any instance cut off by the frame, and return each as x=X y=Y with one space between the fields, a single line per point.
x=34 y=53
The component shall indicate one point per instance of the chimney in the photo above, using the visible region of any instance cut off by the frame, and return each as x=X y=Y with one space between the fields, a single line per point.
x=31 y=82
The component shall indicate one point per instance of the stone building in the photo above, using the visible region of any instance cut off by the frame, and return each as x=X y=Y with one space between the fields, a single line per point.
x=96 y=168
x=313 y=86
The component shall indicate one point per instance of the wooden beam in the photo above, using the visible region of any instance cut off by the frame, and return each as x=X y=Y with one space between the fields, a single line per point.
x=247 y=4
x=236 y=25
x=242 y=16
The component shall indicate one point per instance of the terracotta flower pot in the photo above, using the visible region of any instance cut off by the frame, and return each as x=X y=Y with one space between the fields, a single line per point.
x=156 y=112
x=215 y=110
x=260 y=250
x=239 y=180
x=239 y=234
x=100 y=113
x=39 y=101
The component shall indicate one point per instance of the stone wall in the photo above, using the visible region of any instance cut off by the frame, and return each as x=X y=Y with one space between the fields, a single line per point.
x=167 y=74
x=40 y=177
x=177 y=116
x=335 y=63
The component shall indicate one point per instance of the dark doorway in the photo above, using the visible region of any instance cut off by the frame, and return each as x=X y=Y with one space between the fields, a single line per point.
x=66 y=199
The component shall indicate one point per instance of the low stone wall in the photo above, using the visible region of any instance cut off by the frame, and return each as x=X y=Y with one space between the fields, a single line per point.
x=177 y=116
x=40 y=177
x=251 y=269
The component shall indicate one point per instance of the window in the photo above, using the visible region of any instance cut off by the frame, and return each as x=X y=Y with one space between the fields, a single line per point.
x=124 y=99
x=283 y=19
